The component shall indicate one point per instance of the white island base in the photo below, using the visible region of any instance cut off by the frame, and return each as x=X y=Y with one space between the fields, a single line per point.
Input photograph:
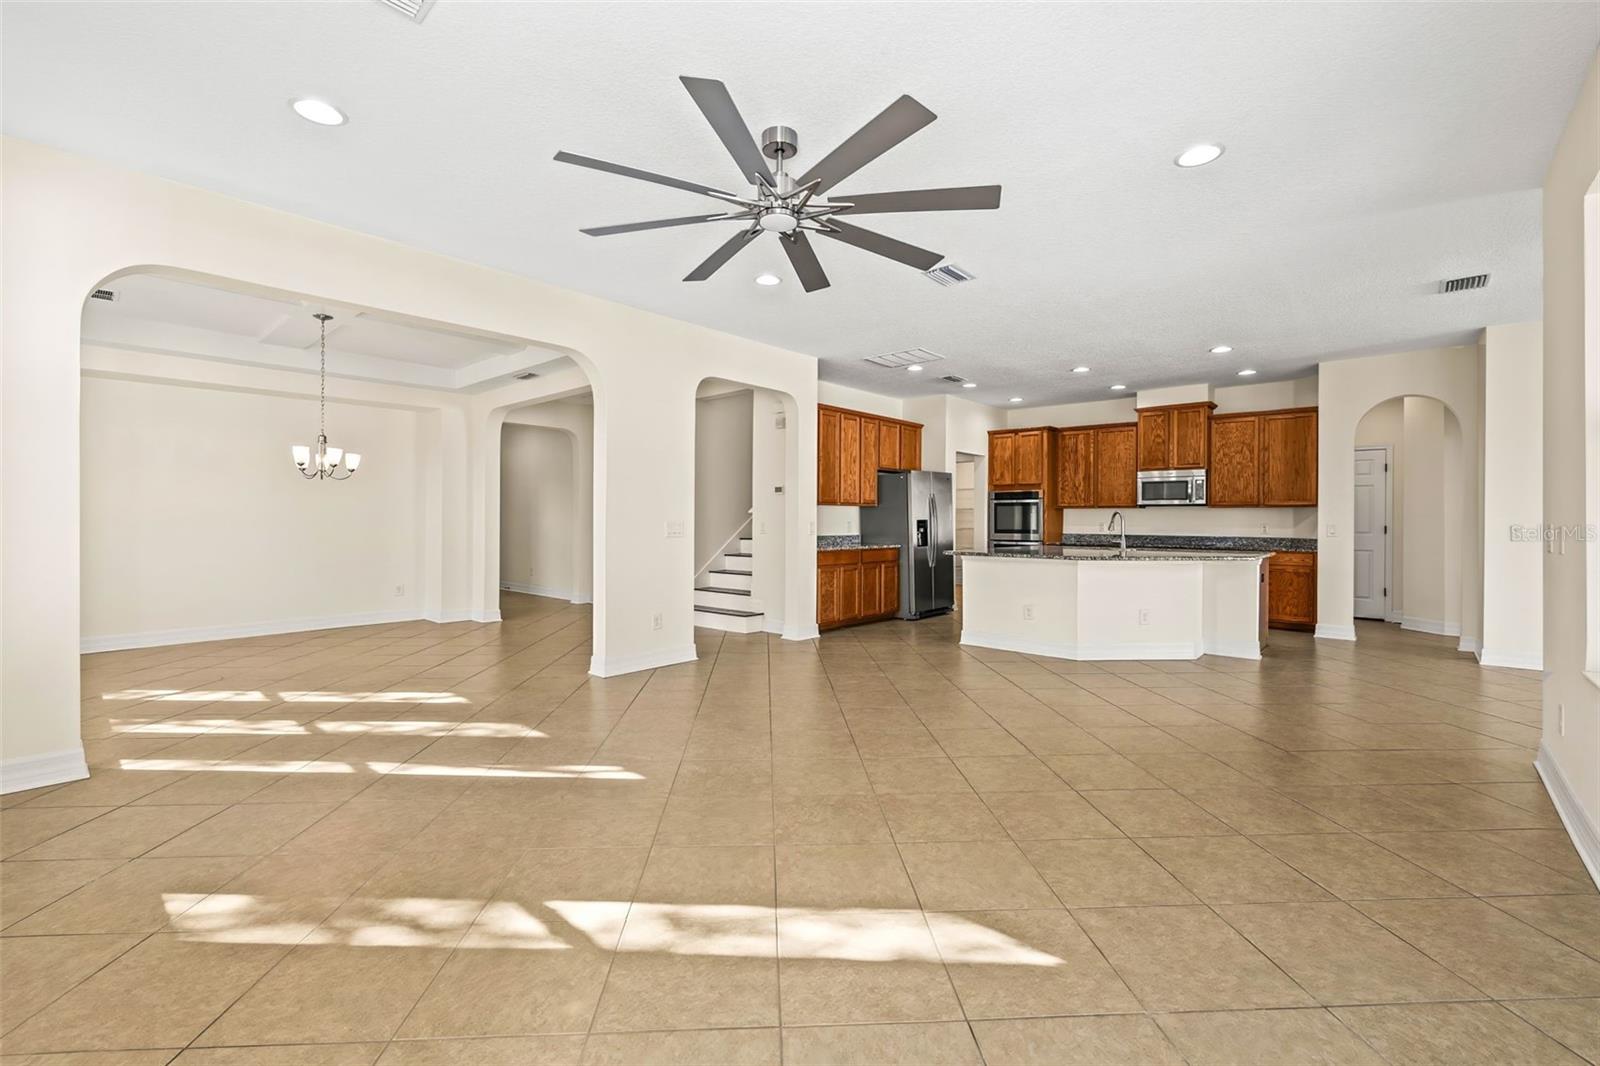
x=1082 y=606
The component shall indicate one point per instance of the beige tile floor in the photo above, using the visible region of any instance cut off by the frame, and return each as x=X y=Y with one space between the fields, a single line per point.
x=448 y=844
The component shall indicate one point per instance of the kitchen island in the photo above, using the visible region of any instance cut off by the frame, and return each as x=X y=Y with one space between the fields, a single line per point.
x=1105 y=603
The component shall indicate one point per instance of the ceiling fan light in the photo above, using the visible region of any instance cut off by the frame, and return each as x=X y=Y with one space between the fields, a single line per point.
x=319 y=111
x=1199 y=155
x=779 y=221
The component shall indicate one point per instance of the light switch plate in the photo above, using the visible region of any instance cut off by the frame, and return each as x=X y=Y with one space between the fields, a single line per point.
x=674 y=529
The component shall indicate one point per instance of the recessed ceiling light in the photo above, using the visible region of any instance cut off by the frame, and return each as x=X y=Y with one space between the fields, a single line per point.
x=1016 y=399
x=1199 y=155
x=319 y=111
x=914 y=368
x=1221 y=349
x=1080 y=370
x=1247 y=373
x=1118 y=388
x=969 y=384
x=768 y=279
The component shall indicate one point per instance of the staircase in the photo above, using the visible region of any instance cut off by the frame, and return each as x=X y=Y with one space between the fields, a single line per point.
x=725 y=600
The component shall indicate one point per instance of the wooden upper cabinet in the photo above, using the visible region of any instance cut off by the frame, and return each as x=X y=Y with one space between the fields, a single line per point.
x=1235 y=461
x=852 y=446
x=1075 y=467
x=1289 y=458
x=828 y=473
x=910 y=446
x=1028 y=457
x=888 y=445
x=1174 y=438
x=1190 y=439
x=1116 y=466
x=1155 y=439
x=869 y=462
x=849 y=457
x=1002 y=459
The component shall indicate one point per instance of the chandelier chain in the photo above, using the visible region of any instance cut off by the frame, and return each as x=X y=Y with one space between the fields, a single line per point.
x=322 y=381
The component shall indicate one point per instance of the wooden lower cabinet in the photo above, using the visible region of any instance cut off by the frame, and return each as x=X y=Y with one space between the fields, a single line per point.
x=1292 y=590
x=857 y=585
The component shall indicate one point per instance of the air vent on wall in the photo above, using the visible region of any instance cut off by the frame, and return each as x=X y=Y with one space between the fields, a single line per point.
x=908 y=357
x=1474 y=281
x=949 y=274
x=526 y=375
x=109 y=295
x=415 y=10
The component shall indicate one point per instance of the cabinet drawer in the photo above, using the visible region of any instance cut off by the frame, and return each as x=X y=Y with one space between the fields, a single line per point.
x=879 y=555
x=839 y=557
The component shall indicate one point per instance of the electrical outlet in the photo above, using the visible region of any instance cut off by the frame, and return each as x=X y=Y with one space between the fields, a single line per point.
x=1144 y=616
x=1561 y=718
x=1333 y=530
x=399 y=590
x=1027 y=612
x=655 y=623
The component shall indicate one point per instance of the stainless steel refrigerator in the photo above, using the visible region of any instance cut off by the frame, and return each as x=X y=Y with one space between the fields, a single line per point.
x=916 y=511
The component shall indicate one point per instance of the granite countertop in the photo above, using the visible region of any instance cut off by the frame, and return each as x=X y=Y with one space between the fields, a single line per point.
x=846 y=542
x=1056 y=552
x=1192 y=542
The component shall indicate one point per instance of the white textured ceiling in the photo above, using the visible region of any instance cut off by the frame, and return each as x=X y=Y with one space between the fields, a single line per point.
x=1373 y=149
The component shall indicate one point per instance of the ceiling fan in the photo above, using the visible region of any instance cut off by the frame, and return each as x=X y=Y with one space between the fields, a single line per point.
x=788 y=206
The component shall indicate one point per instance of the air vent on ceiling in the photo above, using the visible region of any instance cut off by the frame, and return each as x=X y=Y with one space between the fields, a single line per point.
x=526 y=375
x=415 y=10
x=949 y=274
x=908 y=357
x=1474 y=281
x=108 y=295
x=954 y=379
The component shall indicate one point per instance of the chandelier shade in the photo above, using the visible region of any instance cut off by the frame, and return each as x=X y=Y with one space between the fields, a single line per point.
x=322 y=461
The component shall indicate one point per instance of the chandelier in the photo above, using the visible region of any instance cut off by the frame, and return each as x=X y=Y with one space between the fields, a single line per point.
x=324 y=461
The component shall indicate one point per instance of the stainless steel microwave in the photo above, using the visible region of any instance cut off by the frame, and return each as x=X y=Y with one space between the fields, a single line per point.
x=1172 y=488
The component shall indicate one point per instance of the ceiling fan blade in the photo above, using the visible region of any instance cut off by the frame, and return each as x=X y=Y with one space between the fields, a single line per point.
x=726 y=251
x=804 y=260
x=867 y=240
x=660 y=223
x=969 y=198
x=891 y=126
x=643 y=175
x=717 y=106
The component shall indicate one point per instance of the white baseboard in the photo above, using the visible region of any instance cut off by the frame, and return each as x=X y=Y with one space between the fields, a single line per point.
x=550 y=591
x=1472 y=646
x=1325 y=631
x=1431 y=625
x=802 y=631
x=1490 y=657
x=1580 y=826
x=161 y=637
x=773 y=625
x=486 y=616
x=454 y=614
x=629 y=664
x=37 y=771
x=1086 y=652
x=582 y=597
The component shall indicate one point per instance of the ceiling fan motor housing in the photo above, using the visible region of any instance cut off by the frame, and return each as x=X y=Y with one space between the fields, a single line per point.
x=780 y=142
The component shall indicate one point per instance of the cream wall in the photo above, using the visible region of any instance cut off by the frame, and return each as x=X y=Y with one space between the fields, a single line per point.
x=1346 y=390
x=722 y=474
x=72 y=223
x=192 y=531
x=775 y=511
x=1422 y=550
x=538 y=492
x=1569 y=757
x=573 y=419
x=1513 y=495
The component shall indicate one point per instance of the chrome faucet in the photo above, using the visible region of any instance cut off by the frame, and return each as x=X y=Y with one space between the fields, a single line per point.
x=1119 y=524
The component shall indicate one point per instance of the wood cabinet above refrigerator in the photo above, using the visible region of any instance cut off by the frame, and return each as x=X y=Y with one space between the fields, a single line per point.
x=852 y=446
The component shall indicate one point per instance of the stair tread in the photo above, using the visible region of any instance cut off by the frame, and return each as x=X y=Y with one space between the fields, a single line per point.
x=739 y=555
x=741 y=573
x=726 y=592
x=728 y=611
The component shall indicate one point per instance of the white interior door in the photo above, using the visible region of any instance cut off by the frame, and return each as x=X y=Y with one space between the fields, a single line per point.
x=1371 y=533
